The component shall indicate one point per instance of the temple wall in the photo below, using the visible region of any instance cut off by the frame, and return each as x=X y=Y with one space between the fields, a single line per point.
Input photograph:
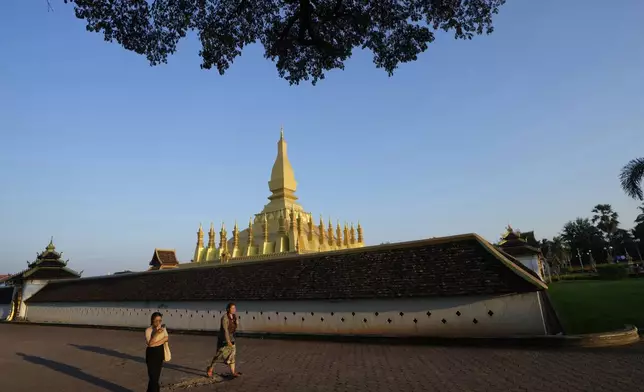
x=5 y=310
x=6 y=294
x=30 y=288
x=532 y=262
x=519 y=314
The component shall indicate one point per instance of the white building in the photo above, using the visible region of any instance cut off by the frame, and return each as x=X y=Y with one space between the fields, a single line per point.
x=458 y=286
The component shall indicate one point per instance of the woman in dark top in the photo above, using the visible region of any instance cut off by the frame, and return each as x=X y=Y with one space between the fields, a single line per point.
x=155 y=337
x=226 y=350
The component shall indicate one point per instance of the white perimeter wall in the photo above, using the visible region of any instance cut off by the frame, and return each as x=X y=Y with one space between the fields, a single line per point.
x=511 y=315
x=28 y=290
x=532 y=262
x=5 y=309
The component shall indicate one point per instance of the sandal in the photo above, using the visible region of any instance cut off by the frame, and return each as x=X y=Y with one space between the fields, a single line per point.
x=209 y=372
x=236 y=374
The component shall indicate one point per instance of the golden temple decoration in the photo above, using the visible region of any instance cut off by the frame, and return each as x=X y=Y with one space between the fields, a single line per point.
x=265 y=229
x=283 y=225
x=200 y=237
x=321 y=230
x=211 y=236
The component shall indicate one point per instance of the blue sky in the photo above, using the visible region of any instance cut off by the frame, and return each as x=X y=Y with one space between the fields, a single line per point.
x=112 y=157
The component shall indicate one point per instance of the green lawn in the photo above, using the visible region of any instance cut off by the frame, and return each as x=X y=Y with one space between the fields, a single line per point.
x=587 y=306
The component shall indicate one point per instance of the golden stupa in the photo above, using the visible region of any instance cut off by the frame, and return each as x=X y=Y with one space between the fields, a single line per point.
x=282 y=227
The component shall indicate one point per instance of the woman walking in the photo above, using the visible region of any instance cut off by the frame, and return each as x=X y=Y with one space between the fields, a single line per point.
x=155 y=337
x=226 y=350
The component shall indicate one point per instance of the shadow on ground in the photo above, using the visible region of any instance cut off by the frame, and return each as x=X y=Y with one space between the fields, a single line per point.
x=74 y=372
x=120 y=355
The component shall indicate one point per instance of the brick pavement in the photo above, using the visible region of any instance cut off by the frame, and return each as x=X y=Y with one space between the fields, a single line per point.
x=78 y=359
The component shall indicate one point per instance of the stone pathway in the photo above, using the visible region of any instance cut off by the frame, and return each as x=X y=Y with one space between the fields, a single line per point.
x=77 y=359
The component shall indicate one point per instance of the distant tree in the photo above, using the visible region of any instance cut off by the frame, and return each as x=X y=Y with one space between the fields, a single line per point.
x=623 y=241
x=638 y=230
x=631 y=178
x=606 y=220
x=556 y=253
x=580 y=236
x=304 y=37
x=640 y=217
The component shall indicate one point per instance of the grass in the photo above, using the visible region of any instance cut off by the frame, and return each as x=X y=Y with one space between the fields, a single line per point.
x=598 y=305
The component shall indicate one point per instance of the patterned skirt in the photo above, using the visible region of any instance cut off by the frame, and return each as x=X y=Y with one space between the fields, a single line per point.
x=225 y=354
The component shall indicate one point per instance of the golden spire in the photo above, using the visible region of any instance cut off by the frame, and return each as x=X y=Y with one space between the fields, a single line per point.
x=222 y=237
x=360 y=237
x=329 y=233
x=346 y=234
x=265 y=228
x=321 y=229
x=299 y=224
x=281 y=223
x=251 y=240
x=235 y=236
x=352 y=235
x=211 y=236
x=292 y=220
x=282 y=183
x=310 y=236
x=338 y=233
x=200 y=237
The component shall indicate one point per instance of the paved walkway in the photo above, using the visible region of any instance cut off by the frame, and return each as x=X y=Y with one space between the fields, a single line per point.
x=36 y=358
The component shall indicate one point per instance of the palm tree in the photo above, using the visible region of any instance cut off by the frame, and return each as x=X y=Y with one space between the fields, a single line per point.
x=640 y=216
x=606 y=220
x=631 y=178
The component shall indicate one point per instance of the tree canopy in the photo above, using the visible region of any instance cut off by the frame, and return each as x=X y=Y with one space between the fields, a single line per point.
x=631 y=178
x=304 y=38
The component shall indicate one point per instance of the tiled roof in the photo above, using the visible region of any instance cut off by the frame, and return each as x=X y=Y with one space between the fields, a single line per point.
x=44 y=273
x=520 y=250
x=164 y=257
x=529 y=237
x=449 y=266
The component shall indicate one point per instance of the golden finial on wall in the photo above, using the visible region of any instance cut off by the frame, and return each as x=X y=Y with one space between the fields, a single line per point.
x=299 y=223
x=265 y=228
x=310 y=236
x=200 y=234
x=321 y=230
x=292 y=220
x=346 y=234
x=222 y=237
x=211 y=236
x=338 y=232
x=200 y=237
x=352 y=234
x=235 y=236
x=251 y=241
x=282 y=224
x=329 y=233
x=360 y=237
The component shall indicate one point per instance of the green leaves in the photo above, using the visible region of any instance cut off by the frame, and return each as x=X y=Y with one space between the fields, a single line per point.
x=631 y=178
x=305 y=38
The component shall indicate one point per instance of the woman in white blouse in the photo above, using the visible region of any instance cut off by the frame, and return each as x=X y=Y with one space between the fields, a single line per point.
x=155 y=337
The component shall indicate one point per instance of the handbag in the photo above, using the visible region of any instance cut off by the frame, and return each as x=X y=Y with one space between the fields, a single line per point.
x=167 y=355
